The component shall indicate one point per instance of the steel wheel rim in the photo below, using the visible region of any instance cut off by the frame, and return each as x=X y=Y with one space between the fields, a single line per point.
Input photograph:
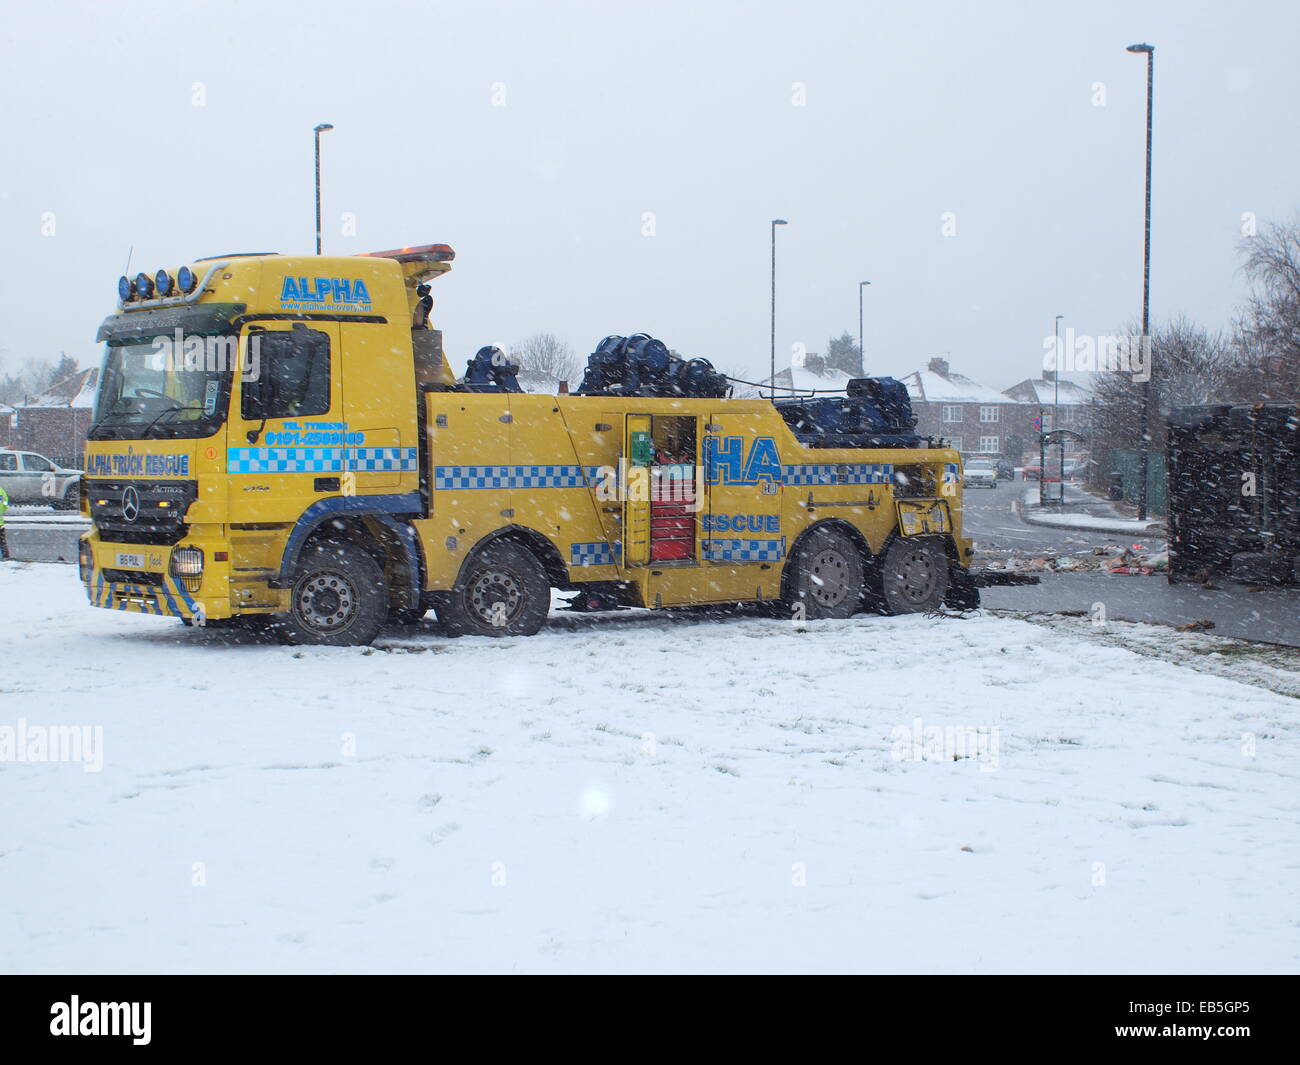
x=917 y=576
x=327 y=602
x=830 y=580
x=492 y=589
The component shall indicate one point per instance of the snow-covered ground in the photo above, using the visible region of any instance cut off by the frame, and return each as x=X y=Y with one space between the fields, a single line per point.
x=638 y=793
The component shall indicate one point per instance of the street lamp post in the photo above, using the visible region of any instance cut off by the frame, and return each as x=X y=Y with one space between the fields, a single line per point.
x=1056 y=409
x=323 y=127
x=862 y=351
x=1150 y=52
x=772 y=380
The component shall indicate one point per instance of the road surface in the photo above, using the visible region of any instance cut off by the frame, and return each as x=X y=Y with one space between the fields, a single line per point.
x=998 y=531
x=1272 y=614
x=42 y=534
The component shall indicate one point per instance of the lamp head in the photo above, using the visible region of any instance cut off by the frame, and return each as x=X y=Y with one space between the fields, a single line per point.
x=1148 y=48
x=322 y=127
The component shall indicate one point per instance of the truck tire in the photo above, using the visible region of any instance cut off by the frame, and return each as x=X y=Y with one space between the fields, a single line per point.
x=913 y=576
x=504 y=591
x=338 y=598
x=826 y=576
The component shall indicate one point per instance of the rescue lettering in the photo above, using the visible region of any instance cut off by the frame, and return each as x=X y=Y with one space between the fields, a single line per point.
x=741 y=523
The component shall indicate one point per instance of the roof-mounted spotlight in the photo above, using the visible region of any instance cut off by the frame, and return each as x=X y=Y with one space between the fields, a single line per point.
x=166 y=286
x=144 y=285
x=124 y=289
x=186 y=280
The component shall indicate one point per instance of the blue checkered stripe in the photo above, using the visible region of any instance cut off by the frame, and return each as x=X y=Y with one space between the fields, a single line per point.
x=594 y=554
x=457 y=477
x=320 y=459
x=829 y=473
x=744 y=550
x=382 y=459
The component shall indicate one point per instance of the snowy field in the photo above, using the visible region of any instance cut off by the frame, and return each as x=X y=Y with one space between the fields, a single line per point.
x=638 y=793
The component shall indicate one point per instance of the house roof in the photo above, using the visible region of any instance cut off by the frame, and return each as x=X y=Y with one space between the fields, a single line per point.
x=933 y=387
x=77 y=391
x=795 y=379
x=1037 y=391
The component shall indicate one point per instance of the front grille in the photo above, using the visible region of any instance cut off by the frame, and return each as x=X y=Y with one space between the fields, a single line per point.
x=131 y=576
x=126 y=517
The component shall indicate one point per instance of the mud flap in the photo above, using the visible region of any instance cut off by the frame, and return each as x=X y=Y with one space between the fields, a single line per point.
x=963 y=593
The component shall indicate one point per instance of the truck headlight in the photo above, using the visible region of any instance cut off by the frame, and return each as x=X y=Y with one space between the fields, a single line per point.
x=187 y=564
x=85 y=560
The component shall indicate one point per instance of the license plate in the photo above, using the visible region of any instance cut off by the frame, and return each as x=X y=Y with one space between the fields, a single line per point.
x=129 y=560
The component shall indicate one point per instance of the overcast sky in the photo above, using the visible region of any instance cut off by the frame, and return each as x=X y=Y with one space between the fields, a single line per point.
x=184 y=130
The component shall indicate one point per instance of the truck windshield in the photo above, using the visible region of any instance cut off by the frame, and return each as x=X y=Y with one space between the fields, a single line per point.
x=146 y=392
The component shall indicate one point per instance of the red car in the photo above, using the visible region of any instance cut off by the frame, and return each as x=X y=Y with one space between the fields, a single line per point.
x=1035 y=473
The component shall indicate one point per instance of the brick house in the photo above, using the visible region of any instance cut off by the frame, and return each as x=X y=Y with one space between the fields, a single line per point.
x=1040 y=393
x=55 y=423
x=975 y=419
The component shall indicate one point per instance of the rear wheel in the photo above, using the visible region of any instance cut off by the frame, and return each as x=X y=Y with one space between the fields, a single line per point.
x=826 y=576
x=913 y=576
x=338 y=598
x=504 y=591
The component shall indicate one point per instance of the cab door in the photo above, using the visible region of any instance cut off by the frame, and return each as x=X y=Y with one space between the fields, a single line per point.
x=288 y=442
x=744 y=486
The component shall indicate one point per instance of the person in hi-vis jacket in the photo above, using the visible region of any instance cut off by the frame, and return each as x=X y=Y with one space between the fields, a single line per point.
x=4 y=544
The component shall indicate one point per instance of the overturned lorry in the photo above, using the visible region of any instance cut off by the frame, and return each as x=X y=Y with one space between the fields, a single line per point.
x=1234 y=493
x=326 y=473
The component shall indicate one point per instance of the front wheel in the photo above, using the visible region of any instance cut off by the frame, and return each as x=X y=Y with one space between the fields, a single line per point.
x=338 y=598
x=913 y=576
x=826 y=577
x=504 y=591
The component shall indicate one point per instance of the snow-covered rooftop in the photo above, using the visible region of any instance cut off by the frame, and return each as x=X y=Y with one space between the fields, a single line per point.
x=795 y=379
x=1036 y=390
x=934 y=387
x=76 y=391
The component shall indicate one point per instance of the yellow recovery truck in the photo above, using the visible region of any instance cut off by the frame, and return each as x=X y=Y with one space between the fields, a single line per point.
x=280 y=441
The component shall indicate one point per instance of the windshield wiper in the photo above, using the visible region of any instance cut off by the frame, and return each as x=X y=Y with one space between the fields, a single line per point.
x=164 y=413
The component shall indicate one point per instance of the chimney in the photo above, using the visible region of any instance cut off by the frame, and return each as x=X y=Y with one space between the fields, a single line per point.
x=938 y=365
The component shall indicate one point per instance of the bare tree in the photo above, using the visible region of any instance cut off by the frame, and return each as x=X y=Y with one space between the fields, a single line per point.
x=1189 y=364
x=1269 y=329
x=33 y=377
x=545 y=353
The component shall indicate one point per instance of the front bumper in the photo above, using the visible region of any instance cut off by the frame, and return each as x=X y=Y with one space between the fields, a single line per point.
x=137 y=578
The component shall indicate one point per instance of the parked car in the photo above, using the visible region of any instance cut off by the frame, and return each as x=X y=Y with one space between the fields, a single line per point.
x=980 y=473
x=30 y=479
x=1034 y=472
